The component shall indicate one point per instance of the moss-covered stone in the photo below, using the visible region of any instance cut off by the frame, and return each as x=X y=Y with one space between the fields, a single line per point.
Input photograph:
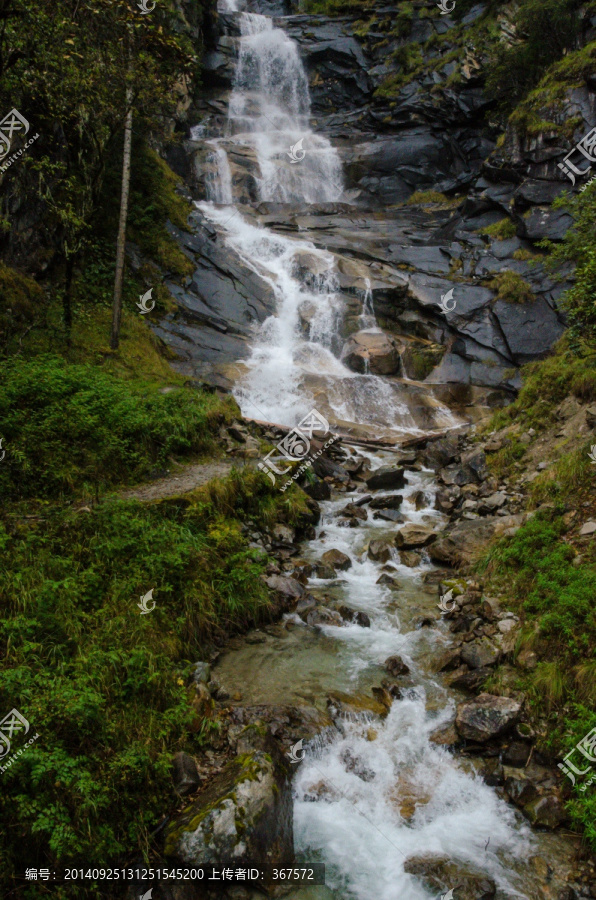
x=244 y=815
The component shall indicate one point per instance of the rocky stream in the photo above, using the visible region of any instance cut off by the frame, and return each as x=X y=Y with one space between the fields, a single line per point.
x=317 y=288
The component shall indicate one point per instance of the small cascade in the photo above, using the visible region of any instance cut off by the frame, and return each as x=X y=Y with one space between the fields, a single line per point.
x=219 y=178
x=368 y=321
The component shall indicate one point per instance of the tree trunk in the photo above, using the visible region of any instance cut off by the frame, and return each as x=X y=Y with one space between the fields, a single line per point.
x=120 y=244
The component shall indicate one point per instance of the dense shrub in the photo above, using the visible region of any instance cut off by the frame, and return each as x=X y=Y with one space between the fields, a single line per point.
x=67 y=427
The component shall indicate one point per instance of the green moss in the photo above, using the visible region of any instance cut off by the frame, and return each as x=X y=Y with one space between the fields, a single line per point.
x=501 y=230
x=526 y=255
x=510 y=286
x=432 y=198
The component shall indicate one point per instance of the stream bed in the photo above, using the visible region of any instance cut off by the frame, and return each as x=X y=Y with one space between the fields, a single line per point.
x=379 y=791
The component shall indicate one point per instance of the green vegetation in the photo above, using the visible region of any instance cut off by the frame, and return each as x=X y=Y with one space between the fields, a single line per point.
x=549 y=29
x=546 y=572
x=70 y=428
x=108 y=690
x=510 y=286
x=579 y=247
x=501 y=230
x=432 y=198
x=551 y=588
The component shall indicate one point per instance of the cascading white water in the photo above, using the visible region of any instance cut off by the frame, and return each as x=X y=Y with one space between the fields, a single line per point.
x=269 y=111
x=219 y=179
x=290 y=372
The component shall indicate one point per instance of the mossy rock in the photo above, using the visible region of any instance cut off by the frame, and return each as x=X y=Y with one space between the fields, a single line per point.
x=244 y=814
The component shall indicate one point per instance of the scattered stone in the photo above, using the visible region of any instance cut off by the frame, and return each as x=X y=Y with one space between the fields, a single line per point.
x=336 y=560
x=322 y=571
x=414 y=536
x=445 y=736
x=447 y=499
x=526 y=659
x=350 y=705
x=516 y=754
x=283 y=534
x=447 y=660
x=379 y=551
x=356 y=765
x=387 y=580
x=492 y=503
x=423 y=622
x=318 y=489
x=287 y=590
x=588 y=528
x=486 y=717
x=201 y=673
x=420 y=500
x=375 y=352
x=354 y=615
x=547 y=811
x=186 y=774
x=409 y=558
x=480 y=653
x=389 y=515
x=321 y=615
x=396 y=666
x=354 y=512
x=468 y=679
x=386 y=477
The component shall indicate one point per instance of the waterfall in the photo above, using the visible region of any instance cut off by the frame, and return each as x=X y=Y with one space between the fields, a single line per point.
x=295 y=362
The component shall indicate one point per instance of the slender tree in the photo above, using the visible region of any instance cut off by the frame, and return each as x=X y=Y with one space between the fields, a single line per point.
x=121 y=240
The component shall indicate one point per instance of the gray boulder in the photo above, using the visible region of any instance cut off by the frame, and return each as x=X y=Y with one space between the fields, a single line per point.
x=486 y=717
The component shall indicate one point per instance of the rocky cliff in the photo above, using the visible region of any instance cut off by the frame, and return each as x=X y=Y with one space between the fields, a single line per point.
x=441 y=192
